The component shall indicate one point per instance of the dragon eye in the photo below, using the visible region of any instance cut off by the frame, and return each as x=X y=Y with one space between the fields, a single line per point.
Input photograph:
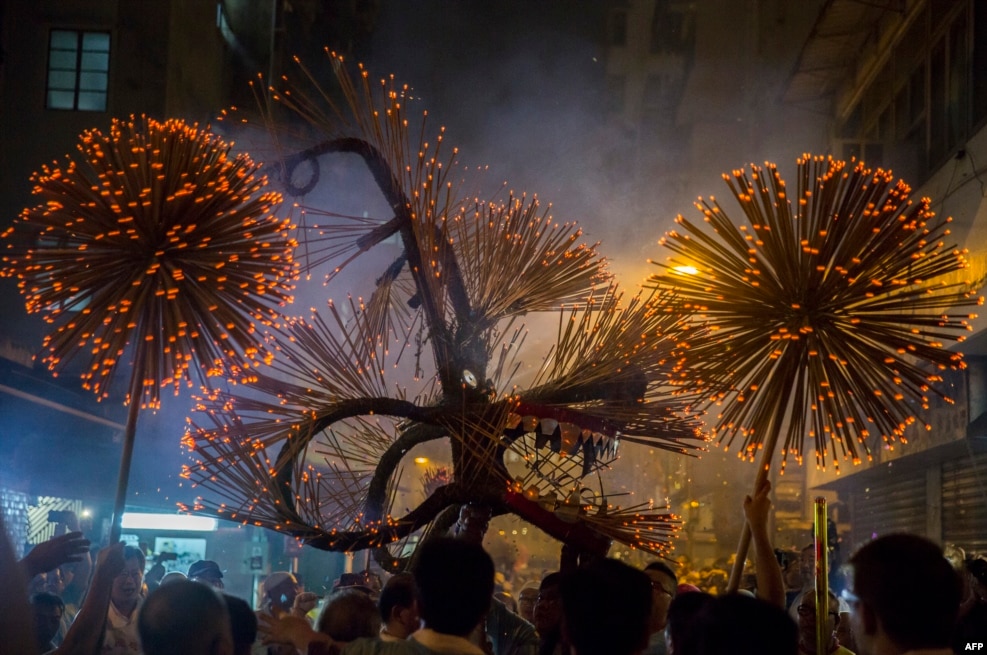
x=469 y=378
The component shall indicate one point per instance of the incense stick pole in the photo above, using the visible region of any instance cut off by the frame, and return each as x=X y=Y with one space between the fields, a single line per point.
x=129 y=436
x=821 y=542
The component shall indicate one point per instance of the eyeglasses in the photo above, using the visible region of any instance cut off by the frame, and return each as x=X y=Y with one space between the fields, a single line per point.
x=552 y=598
x=809 y=610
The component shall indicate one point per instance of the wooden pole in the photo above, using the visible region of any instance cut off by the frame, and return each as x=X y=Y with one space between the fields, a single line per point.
x=129 y=435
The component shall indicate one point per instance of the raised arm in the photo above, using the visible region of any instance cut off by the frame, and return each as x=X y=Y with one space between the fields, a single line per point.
x=770 y=582
x=86 y=633
x=48 y=555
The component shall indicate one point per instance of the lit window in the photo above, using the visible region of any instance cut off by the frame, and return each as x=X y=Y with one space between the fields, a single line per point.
x=78 y=70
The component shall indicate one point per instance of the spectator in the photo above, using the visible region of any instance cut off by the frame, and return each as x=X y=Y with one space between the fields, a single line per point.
x=807 y=569
x=548 y=616
x=121 y=637
x=207 y=572
x=454 y=600
x=47 y=610
x=607 y=609
x=398 y=607
x=185 y=618
x=903 y=595
x=282 y=595
x=804 y=609
x=172 y=576
x=243 y=624
x=791 y=571
x=737 y=624
x=526 y=601
x=664 y=584
x=348 y=615
x=87 y=632
x=680 y=624
x=972 y=624
x=365 y=582
x=508 y=633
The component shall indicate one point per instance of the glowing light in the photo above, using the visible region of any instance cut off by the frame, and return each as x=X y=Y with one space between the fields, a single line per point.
x=686 y=270
x=172 y=522
x=421 y=460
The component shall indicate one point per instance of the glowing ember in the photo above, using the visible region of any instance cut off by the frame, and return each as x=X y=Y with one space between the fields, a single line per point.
x=157 y=238
x=826 y=317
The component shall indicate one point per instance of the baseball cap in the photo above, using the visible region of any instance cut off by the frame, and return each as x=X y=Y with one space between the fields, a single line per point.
x=204 y=568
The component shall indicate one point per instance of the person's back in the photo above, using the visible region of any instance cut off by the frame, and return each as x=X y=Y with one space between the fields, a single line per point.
x=185 y=618
x=455 y=582
x=243 y=624
x=398 y=608
x=607 y=609
x=738 y=624
x=349 y=614
x=903 y=595
x=508 y=633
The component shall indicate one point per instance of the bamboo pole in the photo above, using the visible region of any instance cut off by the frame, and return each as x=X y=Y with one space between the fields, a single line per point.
x=129 y=436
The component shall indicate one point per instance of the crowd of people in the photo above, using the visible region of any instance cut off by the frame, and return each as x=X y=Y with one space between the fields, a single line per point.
x=901 y=596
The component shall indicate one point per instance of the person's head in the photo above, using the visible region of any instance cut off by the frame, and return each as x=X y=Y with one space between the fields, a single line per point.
x=55 y=582
x=398 y=605
x=185 y=618
x=280 y=589
x=455 y=579
x=607 y=608
x=548 y=605
x=348 y=615
x=804 y=611
x=526 y=601
x=791 y=567
x=976 y=569
x=129 y=584
x=663 y=587
x=48 y=610
x=243 y=624
x=680 y=632
x=738 y=624
x=172 y=576
x=807 y=565
x=473 y=521
x=903 y=592
x=208 y=572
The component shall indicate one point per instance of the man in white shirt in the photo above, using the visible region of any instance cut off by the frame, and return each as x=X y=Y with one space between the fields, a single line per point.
x=121 y=636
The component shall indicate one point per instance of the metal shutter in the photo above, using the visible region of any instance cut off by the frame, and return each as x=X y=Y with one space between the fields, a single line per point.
x=895 y=504
x=964 y=502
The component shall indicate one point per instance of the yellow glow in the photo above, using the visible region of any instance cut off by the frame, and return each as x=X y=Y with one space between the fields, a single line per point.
x=421 y=460
x=686 y=270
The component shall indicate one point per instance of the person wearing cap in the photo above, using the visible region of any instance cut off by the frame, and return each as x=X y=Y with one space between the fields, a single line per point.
x=208 y=572
x=282 y=596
